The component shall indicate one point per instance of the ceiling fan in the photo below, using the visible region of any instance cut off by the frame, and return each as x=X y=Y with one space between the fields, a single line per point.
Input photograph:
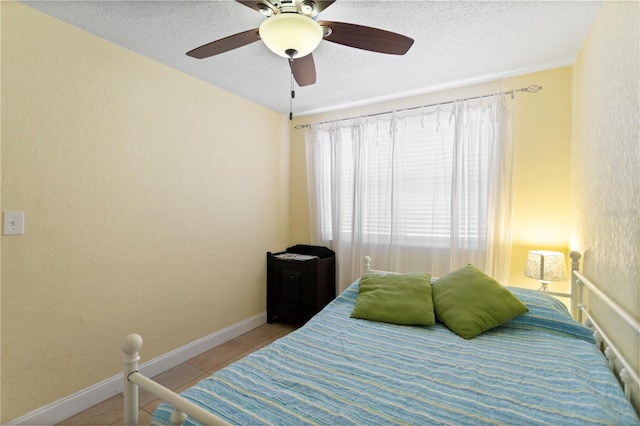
x=292 y=31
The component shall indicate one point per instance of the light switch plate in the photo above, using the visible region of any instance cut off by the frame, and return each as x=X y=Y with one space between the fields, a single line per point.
x=13 y=223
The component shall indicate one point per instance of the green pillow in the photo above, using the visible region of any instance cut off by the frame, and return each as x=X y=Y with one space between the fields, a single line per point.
x=470 y=302
x=395 y=298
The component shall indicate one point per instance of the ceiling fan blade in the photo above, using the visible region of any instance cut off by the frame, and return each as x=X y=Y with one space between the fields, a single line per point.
x=304 y=70
x=225 y=44
x=322 y=5
x=367 y=38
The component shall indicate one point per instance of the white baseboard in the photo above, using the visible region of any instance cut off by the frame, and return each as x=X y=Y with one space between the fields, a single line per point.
x=73 y=404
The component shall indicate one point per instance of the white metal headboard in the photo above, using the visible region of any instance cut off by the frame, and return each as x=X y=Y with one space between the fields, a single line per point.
x=579 y=282
x=367 y=265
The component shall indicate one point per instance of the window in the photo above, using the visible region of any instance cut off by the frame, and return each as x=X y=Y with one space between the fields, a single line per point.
x=434 y=179
x=406 y=186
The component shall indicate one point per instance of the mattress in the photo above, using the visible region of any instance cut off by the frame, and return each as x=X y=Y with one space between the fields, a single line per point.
x=541 y=368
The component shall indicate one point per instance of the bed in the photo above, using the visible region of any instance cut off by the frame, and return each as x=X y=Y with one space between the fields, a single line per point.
x=541 y=367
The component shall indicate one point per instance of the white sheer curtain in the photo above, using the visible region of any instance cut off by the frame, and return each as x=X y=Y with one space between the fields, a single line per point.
x=427 y=189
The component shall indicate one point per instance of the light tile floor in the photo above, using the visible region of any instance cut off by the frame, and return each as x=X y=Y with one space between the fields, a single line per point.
x=183 y=376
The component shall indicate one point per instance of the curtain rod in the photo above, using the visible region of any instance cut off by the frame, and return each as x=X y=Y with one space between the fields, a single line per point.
x=530 y=89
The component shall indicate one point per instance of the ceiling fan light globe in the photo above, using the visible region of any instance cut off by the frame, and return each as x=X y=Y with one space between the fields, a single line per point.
x=290 y=31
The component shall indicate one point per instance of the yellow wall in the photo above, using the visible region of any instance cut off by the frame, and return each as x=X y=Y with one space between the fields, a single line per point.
x=605 y=159
x=149 y=203
x=0 y=210
x=542 y=134
x=132 y=176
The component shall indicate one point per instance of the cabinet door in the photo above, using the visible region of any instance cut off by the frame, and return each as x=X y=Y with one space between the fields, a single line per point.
x=294 y=285
x=291 y=288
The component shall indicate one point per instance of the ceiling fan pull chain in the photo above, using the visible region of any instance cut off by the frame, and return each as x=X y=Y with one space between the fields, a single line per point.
x=293 y=93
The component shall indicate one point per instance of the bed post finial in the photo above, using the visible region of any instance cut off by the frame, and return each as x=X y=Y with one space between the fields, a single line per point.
x=576 y=295
x=130 y=347
x=575 y=260
x=367 y=264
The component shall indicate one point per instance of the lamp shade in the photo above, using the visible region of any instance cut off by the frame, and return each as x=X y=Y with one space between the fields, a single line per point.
x=290 y=34
x=545 y=265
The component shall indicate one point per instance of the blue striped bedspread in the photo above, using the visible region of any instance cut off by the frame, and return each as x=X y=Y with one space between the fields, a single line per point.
x=342 y=371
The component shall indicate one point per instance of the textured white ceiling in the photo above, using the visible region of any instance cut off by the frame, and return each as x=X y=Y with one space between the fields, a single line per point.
x=456 y=43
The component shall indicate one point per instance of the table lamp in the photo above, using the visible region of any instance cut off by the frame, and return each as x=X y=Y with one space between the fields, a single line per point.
x=545 y=266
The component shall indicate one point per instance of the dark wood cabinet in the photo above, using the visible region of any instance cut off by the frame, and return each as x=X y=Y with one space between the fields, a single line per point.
x=300 y=282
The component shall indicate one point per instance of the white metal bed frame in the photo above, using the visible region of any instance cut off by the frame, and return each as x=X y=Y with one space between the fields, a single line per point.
x=629 y=378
